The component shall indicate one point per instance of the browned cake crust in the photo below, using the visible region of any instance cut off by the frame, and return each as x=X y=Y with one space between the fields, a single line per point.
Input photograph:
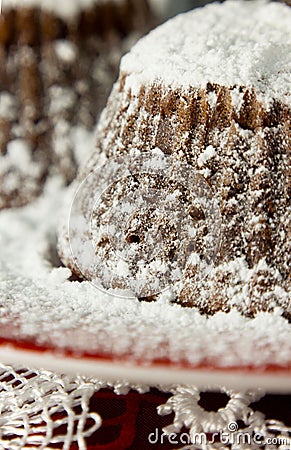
x=47 y=90
x=249 y=176
x=214 y=221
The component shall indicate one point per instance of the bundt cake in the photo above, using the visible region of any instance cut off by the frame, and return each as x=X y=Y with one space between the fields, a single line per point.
x=189 y=185
x=58 y=61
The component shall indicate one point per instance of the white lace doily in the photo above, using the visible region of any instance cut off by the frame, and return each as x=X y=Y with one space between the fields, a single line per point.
x=39 y=408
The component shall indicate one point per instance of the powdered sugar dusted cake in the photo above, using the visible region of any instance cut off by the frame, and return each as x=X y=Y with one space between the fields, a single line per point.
x=58 y=60
x=206 y=94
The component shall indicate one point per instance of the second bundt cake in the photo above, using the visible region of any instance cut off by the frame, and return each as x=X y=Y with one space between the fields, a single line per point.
x=58 y=61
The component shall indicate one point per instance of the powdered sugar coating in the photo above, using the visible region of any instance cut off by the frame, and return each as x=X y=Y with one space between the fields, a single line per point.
x=46 y=305
x=52 y=117
x=237 y=43
x=55 y=78
x=245 y=159
x=236 y=137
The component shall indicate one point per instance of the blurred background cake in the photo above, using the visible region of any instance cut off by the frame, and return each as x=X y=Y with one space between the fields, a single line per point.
x=58 y=60
x=208 y=89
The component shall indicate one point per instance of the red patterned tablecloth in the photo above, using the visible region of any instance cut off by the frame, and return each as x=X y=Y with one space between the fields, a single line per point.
x=130 y=420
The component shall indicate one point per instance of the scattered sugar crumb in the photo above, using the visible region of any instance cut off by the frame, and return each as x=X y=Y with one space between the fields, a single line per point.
x=66 y=51
x=208 y=153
